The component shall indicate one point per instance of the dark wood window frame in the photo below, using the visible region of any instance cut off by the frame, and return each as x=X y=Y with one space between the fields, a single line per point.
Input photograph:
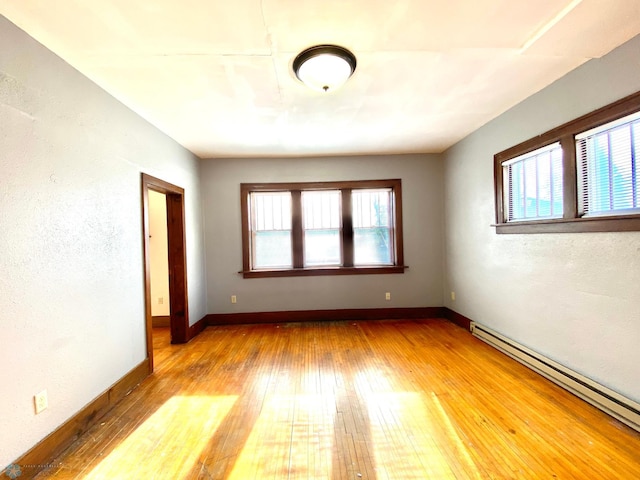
x=347 y=267
x=572 y=221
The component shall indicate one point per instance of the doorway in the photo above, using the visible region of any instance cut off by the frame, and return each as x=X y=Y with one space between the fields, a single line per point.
x=159 y=260
x=176 y=261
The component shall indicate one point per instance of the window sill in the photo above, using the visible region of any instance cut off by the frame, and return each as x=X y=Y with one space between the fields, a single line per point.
x=311 y=272
x=619 y=223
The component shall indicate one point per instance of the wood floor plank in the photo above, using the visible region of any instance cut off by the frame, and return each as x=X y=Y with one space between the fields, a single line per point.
x=401 y=399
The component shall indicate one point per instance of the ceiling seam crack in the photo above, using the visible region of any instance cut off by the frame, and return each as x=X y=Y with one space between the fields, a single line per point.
x=270 y=41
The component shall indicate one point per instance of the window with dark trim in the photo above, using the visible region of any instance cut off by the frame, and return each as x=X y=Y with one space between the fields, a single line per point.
x=580 y=177
x=321 y=228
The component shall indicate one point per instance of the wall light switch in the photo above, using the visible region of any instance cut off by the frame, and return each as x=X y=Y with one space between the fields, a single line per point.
x=387 y=296
x=453 y=296
x=234 y=299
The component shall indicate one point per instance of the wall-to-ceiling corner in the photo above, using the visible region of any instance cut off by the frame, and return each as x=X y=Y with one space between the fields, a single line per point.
x=572 y=297
x=72 y=311
x=419 y=286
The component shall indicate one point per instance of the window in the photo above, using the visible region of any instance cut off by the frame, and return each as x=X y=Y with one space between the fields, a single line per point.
x=608 y=164
x=533 y=184
x=271 y=229
x=322 y=227
x=372 y=227
x=579 y=177
x=327 y=228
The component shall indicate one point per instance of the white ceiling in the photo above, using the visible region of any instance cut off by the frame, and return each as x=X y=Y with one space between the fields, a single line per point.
x=216 y=75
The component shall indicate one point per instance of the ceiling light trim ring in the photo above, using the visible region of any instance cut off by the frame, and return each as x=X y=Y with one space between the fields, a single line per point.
x=316 y=51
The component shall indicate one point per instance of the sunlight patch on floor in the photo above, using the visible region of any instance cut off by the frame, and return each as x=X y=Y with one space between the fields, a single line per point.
x=176 y=434
x=404 y=435
x=292 y=436
x=457 y=446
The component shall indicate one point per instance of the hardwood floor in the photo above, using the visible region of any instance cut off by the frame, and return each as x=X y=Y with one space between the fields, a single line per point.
x=348 y=400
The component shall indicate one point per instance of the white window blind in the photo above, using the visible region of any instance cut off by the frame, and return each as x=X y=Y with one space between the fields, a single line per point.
x=533 y=184
x=608 y=166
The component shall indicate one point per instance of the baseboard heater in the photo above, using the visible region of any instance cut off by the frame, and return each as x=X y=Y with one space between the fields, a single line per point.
x=616 y=405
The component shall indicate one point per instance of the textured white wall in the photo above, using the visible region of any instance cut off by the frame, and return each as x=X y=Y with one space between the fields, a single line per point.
x=419 y=286
x=573 y=297
x=71 y=288
x=158 y=253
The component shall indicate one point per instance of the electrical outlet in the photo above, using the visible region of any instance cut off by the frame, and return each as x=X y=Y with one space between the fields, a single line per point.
x=160 y=300
x=387 y=296
x=453 y=296
x=40 y=401
x=234 y=299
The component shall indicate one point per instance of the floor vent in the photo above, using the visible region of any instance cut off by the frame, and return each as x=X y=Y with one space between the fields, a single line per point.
x=616 y=405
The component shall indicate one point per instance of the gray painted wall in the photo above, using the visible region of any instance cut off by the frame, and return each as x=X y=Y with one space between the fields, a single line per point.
x=72 y=303
x=573 y=297
x=422 y=194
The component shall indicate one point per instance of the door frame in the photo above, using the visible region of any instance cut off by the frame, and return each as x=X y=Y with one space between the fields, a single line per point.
x=177 y=259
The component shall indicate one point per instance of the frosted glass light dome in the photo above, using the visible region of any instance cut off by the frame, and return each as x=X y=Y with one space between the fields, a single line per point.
x=324 y=67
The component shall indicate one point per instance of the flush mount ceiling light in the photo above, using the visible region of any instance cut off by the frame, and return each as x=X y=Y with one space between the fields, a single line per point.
x=324 y=67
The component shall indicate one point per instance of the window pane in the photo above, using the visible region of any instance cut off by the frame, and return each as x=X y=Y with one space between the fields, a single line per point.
x=636 y=153
x=544 y=189
x=608 y=157
x=321 y=227
x=321 y=209
x=557 y=192
x=372 y=246
x=371 y=208
x=372 y=227
x=533 y=184
x=271 y=229
x=322 y=247
x=272 y=249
